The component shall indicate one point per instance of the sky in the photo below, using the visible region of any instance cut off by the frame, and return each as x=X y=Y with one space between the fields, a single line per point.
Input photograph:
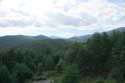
x=62 y=18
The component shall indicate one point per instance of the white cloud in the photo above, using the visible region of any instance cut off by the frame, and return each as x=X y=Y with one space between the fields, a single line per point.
x=49 y=17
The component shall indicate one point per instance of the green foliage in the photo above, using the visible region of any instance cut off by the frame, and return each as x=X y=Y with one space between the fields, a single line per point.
x=102 y=80
x=99 y=47
x=5 y=76
x=103 y=55
x=71 y=75
x=22 y=73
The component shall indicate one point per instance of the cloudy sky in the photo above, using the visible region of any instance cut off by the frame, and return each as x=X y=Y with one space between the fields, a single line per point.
x=63 y=18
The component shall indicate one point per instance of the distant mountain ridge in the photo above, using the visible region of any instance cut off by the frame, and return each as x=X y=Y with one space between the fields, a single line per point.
x=80 y=38
x=22 y=40
x=19 y=39
x=121 y=29
x=85 y=37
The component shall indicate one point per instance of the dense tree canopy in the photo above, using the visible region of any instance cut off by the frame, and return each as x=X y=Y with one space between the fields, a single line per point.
x=102 y=55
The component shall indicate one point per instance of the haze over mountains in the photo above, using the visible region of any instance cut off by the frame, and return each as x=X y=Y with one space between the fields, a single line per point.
x=21 y=40
x=35 y=42
x=85 y=37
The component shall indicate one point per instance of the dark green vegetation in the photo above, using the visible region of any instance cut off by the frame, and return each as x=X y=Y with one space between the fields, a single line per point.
x=101 y=59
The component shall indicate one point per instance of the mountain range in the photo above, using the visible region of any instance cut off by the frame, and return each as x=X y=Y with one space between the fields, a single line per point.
x=85 y=37
x=41 y=40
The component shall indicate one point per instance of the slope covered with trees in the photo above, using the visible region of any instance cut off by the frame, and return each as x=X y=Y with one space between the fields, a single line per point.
x=101 y=59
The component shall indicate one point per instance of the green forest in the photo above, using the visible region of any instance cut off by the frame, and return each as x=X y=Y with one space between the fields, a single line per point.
x=100 y=59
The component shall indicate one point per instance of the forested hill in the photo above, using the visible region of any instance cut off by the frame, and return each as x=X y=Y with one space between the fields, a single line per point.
x=100 y=59
x=30 y=41
x=21 y=40
x=85 y=37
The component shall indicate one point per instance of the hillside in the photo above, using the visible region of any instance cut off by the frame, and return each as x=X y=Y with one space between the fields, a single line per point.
x=30 y=42
x=85 y=37
x=24 y=59
x=41 y=40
